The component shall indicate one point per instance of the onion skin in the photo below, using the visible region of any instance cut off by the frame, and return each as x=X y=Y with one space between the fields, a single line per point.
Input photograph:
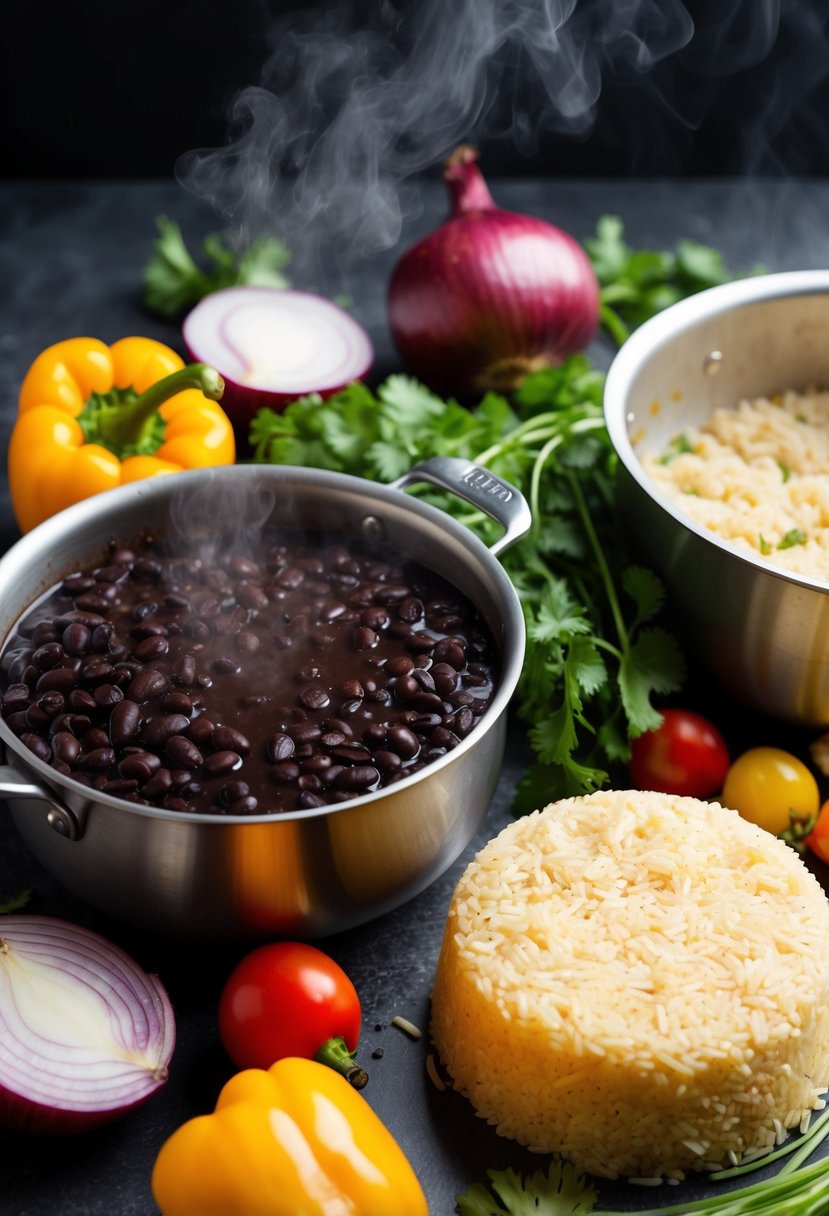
x=490 y=295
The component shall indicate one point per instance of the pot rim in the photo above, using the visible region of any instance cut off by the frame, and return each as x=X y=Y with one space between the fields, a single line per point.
x=665 y=328
x=30 y=548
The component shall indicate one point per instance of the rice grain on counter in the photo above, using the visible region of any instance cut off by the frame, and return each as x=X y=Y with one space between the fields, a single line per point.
x=758 y=476
x=638 y=982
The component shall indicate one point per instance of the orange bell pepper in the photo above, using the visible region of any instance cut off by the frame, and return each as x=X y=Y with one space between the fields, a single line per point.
x=92 y=417
x=296 y=1140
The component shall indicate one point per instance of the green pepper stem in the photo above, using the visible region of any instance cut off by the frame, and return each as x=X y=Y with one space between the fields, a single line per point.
x=336 y=1055
x=123 y=424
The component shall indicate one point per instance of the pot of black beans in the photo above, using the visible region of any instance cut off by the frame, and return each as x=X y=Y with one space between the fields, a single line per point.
x=258 y=700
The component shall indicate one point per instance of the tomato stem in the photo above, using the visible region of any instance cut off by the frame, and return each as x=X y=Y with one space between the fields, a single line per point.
x=336 y=1055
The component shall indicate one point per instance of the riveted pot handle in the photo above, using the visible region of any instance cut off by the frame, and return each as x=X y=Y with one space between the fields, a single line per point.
x=59 y=816
x=500 y=500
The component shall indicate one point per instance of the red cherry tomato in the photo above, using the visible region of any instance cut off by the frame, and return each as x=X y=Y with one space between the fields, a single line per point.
x=685 y=755
x=818 y=838
x=286 y=999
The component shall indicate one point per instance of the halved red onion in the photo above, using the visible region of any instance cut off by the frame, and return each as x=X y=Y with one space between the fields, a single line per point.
x=85 y=1034
x=272 y=346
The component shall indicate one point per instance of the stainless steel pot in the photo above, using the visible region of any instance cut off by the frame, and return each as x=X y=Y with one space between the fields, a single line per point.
x=306 y=873
x=763 y=633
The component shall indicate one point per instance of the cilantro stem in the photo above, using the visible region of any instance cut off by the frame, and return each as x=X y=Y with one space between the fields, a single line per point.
x=601 y=562
x=614 y=324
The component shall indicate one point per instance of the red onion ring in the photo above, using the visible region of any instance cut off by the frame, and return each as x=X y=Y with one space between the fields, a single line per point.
x=489 y=295
x=85 y=1034
x=272 y=346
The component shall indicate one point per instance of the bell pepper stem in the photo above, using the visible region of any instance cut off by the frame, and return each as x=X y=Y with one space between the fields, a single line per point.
x=124 y=423
x=336 y=1055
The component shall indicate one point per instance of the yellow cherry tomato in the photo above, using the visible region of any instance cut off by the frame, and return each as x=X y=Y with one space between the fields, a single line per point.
x=772 y=788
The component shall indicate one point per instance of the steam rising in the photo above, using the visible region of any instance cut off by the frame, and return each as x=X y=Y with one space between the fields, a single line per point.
x=353 y=104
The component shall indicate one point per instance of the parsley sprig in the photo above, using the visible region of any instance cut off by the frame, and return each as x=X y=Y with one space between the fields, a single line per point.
x=635 y=284
x=174 y=281
x=595 y=655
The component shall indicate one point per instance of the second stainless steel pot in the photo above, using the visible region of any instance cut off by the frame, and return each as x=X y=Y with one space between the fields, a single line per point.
x=305 y=873
x=764 y=633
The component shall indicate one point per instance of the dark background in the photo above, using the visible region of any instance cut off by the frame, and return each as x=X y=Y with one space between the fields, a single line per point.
x=99 y=89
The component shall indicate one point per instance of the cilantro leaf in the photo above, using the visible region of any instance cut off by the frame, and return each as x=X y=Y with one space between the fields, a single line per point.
x=16 y=902
x=562 y=1191
x=174 y=282
x=637 y=284
x=646 y=590
x=652 y=664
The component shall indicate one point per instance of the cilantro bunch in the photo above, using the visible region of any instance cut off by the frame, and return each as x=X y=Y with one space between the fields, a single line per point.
x=596 y=655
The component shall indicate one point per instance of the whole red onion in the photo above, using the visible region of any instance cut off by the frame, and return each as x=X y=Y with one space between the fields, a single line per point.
x=489 y=295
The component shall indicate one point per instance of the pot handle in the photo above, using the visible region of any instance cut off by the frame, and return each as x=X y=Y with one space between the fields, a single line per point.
x=501 y=501
x=59 y=817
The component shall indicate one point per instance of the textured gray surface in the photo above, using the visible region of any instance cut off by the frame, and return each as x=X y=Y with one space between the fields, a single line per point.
x=70 y=262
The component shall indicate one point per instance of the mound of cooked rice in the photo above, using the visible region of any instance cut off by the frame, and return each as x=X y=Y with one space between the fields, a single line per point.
x=757 y=476
x=638 y=982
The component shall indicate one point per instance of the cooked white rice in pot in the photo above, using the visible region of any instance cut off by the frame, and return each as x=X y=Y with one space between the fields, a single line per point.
x=758 y=476
x=638 y=982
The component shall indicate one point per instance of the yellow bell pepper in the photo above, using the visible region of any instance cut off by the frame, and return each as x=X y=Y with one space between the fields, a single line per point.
x=296 y=1140
x=92 y=417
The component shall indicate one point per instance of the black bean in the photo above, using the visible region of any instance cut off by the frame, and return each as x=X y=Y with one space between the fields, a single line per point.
x=158 y=729
x=317 y=763
x=101 y=637
x=183 y=670
x=410 y=609
x=246 y=642
x=403 y=741
x=400 y=665
x=244 y=806
x=151 y=648
x=177 y=703
x=332 y=738
x=62 y=679
x=124 y=722
x=285 y=772
x=147 y=684
x=52 y=704
x=228 y=738
x=337 y=724
x=352 y=753
x=280 y=747
x=15 y=697
x=200 y=730
x=232 y=791
x=65 y=747
x=82 y=700
x=428 y=702
x=76 y=584
x=374 y=734
x=386 y=761
x=314 y=697
x=158 y=785
x=37 y=745
x=451 y=651
x=183 y=752
x=47 y=656
x=360 y=777
x=441 y=737
x=352 y=689
x=309 y=781
x=406 y=689
x=219 y=763
x=421 y=721
x=363 y=638
x=107 y=695
x=307 y=800
x=97 y=759
x=120 y=786
x=419 y=641
x=36 y=718
x=461 y=721
x=225 y=665
x=349 y=708
x=445 y=678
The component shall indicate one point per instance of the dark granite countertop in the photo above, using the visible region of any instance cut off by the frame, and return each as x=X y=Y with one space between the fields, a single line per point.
x=70 y=262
